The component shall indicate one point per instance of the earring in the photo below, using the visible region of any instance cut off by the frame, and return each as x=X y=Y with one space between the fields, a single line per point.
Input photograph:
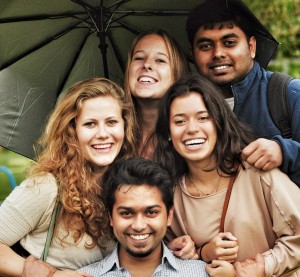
x=169 y=139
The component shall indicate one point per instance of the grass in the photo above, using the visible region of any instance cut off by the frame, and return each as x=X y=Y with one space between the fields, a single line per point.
x=17 y=164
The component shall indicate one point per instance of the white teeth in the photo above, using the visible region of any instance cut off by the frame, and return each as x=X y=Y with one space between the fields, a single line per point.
x=194 y=141
x=102 y=146
x=221 y=67
x=147 y=80
x=139 y=237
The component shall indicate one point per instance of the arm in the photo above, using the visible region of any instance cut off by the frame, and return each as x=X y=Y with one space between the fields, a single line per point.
x=22 y=211
x=251 y=267
x=265 y=154
x=282 y=198
x=37 y=268
x=12 y=264
x=291 y=147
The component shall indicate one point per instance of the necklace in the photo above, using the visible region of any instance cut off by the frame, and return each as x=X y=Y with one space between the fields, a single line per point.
x=200 y=192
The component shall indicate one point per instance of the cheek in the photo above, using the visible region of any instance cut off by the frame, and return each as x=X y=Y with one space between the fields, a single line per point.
x=82 y=136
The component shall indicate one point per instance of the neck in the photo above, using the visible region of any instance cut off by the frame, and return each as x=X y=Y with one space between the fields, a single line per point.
x=140 y=266
x=148 y=112
x=201 y=183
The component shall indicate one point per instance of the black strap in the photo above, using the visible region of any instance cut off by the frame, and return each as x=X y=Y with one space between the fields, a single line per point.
x=278 y=102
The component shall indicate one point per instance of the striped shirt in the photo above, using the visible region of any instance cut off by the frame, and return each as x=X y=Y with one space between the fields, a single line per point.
x=170 y=266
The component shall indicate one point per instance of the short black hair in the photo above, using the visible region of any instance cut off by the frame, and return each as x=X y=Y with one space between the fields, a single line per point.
x=213 y=14
x=136 y=171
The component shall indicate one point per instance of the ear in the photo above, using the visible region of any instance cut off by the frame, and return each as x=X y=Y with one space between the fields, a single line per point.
x=170 y=216
x=252 y=46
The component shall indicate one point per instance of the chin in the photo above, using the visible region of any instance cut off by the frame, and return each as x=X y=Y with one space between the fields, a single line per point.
x=139 y=254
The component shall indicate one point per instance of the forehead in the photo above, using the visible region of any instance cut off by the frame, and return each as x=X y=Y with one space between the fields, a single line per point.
x=105 y=104
x=219 y=33
x=186 y=102
x=151 y=42
x=137 y=196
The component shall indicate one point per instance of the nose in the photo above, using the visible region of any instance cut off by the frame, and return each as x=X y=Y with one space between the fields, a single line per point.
x=219 y=51
x=101 y=132
x=193 y=126
x=139 y=223
x=147 y=65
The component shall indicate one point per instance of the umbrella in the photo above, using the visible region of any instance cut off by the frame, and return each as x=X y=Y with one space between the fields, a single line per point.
x=46 y=46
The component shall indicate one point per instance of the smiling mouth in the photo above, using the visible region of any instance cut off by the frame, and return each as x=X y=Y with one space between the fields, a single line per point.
x=194 y=142
x=102 y=146
x=146 y=80
x=139 y=237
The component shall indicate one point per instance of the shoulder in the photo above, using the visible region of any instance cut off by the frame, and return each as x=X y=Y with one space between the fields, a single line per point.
x=103 y=267
x=191 y=268
x=273 y=179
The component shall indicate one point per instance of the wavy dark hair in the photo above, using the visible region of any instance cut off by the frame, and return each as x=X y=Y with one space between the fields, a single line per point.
x=232 y=135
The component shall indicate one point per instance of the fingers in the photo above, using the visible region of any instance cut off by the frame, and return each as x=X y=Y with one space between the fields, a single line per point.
x=183 y=247
x=251 y=267
x=263 y=154
x=220 y=268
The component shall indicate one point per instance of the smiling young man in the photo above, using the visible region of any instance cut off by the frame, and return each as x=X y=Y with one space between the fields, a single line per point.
x=231 y=48
x=139 y=197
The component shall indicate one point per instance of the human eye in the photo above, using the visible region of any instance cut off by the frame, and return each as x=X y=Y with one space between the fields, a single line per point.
x=205 y=46
x=126 y=214
x=204 y=117
x=179 y=121
x=152 y=212
x=230 y=42
x=138 y=58
x=89 y=124
x=112 y=122
x=160 y=60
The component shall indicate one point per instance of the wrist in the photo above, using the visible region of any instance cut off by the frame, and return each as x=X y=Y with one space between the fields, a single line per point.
x=201 y=255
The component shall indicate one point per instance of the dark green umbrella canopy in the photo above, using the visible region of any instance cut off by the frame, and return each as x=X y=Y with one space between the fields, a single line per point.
x=48 y=45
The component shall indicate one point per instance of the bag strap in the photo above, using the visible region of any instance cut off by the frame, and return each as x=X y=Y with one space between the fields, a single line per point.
x=50 y=232
x=277 y=95
x=226 y=202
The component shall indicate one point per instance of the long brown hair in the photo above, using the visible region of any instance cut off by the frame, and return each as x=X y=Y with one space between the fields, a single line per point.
x=232 y=135
x=78 y=185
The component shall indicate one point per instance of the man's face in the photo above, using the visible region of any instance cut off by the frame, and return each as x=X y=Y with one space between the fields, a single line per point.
x=139 y=220
x=224 y=56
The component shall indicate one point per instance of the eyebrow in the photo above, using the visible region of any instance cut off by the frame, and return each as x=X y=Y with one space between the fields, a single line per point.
x=142 y=51
x=204 y=39
x=131 y=209
x=183 y=114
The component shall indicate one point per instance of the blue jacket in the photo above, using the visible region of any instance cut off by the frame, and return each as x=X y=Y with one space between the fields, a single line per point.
x=250 y=106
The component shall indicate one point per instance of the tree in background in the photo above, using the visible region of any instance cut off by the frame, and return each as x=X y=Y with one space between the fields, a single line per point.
x=282 y=18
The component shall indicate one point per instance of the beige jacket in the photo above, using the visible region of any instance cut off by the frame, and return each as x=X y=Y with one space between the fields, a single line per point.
x=263 y=213
x=25 y=215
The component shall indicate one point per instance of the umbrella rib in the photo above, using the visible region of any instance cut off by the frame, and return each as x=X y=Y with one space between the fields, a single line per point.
x=36 y=47
x=73 y=63
x=39 y=17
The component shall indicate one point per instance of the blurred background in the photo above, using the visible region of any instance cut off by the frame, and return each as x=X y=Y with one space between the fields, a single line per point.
x=282 y=19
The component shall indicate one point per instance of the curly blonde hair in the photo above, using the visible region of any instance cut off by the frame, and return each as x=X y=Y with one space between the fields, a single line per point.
x=79 y=187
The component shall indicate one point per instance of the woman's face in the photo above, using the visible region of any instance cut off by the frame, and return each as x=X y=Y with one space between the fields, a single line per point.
x=193 y=131
x=150 y=73
x=100 y=130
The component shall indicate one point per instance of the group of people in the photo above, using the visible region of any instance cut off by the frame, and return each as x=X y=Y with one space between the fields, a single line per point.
x=177 y=174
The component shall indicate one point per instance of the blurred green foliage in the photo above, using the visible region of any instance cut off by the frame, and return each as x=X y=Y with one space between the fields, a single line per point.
x=17 y=164
x=282 y=19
